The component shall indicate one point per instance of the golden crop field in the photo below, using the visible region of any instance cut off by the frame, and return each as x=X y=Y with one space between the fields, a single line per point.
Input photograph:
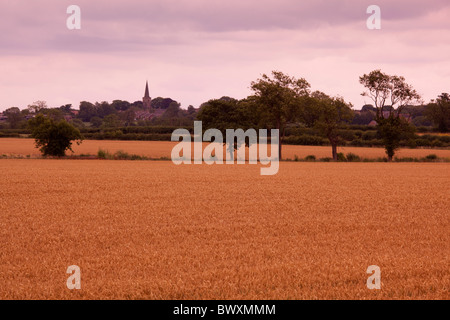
x=153 y=230
x=158 y=149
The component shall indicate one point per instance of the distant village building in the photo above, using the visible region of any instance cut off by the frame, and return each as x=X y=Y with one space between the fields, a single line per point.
x=72 y=115
x=386 y=114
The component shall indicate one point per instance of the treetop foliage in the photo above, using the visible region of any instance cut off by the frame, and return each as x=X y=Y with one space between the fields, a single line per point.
x=53 y=138
x=386 y=90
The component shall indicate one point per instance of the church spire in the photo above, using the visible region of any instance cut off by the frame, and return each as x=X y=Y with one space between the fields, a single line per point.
x=147 y=95
x=147 y=101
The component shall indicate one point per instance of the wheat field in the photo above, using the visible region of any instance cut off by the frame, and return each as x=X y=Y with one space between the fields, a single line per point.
x=153 y=230
x=159 y=149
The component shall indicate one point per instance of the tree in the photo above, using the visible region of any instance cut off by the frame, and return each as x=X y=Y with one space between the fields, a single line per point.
x=368 y=108
x=172 y=112
x=87 y=111
x=364 y=117
x=104 y=109
x=128 y=116
x=96 y=122
x=278 y=99
x=77 y=123
x=120 y=105
x=191 y=109
x=111 y=121
x=52 y=137
x=37 y=107
x=14 y=117
x=162 y=103
x=331 y=114
x=391 y=130
x=56 y=114
x=225 y=113
x=67 y=109
x=391 y=124
x=439 y=112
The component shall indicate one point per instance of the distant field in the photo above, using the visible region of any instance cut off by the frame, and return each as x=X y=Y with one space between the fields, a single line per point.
x=153 y=230
x=158 y=149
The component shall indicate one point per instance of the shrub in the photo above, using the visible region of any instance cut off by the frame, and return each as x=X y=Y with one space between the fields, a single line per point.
x=431 y=157
x=310 y=158
x=351 y=157
x=121 y=155
x=407 y=159
x=341 y=157
x=102 y=154
x=138 y=157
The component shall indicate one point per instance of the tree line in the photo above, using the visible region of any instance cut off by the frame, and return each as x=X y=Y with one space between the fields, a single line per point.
x=279 y=101
x=102 y=114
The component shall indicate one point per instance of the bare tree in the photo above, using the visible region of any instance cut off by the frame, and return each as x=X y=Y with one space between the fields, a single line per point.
x=37 y=106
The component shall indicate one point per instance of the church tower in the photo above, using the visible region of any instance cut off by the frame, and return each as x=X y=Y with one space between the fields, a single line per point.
x=147 y=100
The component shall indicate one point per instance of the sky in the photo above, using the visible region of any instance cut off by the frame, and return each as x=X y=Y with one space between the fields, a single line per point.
x=196 y=50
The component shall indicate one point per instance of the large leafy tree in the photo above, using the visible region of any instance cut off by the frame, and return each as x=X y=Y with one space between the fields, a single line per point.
x=52 y=137
x=14 y=116
x=120 y=105
x=391 y=94
x=172 y=113
x=438 y=112
x=104 y=109
x=226 y=113
x=87 y=111
x=278 y=99
x=331 y=114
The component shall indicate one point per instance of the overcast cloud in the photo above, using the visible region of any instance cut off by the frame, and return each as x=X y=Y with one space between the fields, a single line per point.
x=195 y=50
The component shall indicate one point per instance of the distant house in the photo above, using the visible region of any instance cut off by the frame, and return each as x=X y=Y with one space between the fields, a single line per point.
x=144 y=115
x=73 y=114
x=148 y=115
x=386 y=114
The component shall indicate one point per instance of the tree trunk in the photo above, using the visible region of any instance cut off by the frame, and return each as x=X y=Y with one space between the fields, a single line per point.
x=390 y=153
x=334 y=151
x=279 y=147
x=280 y=140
